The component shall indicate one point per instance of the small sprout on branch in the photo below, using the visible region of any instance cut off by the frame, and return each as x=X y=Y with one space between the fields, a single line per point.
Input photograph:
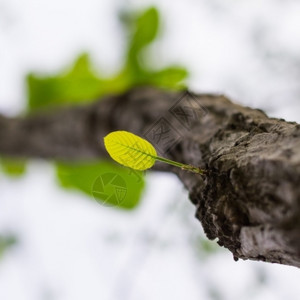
x=135 y=152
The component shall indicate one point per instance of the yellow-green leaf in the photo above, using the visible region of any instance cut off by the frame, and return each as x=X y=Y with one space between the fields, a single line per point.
x=130 y=150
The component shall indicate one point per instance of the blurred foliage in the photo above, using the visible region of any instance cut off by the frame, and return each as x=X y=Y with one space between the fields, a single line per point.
x=81 y=83
x=6 y=242
x=206 y=247
x=12 y=166
x=77 y=85
x=144 y=30
x=84 y=176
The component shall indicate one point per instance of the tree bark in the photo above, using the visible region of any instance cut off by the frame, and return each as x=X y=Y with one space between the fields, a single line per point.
x=249 y=199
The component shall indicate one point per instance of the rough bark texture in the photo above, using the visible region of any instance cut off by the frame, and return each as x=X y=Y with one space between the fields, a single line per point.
x=250 y=197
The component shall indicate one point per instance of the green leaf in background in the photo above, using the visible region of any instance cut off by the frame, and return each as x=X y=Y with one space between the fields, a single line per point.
x=170 y=78
x=79 y=84
x=12 y=166
x=6 y=242
x=108 y=183
x=82 y=83
x=144 y=31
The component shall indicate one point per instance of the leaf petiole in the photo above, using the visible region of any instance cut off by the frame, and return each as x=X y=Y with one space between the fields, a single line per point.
x=180 y=165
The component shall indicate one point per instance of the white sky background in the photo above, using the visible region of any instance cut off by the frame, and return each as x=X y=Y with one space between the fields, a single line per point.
x=72 y=248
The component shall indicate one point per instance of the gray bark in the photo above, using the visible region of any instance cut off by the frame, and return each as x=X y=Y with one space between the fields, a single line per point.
x=249 y=199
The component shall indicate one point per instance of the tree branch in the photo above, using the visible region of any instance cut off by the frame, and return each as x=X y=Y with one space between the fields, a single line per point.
x=250 y=198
